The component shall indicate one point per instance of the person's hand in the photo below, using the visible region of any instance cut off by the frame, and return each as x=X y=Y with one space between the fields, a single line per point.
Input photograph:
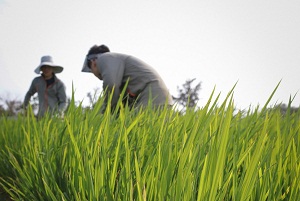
x=21 y=107
x=60 y=115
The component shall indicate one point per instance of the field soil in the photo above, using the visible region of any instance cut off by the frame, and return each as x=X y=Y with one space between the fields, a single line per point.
x=4 y=196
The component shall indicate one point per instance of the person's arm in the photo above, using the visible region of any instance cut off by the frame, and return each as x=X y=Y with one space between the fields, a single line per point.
x=112 y=70
x=62 y=97
x=30 y=92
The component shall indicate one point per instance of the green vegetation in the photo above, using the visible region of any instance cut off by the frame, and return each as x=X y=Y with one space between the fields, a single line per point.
x=212 y=153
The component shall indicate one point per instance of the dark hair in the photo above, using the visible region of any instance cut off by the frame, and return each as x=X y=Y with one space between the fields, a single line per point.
x=98 y=49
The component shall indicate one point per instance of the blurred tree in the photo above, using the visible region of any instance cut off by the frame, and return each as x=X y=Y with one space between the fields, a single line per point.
x=93 y=96
x=284 y=108
x=2 y=110
x=187 y=95
x=9 y=107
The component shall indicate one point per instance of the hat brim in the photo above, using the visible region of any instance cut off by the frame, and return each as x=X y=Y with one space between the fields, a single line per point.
x=85 y=67
x=56 y=68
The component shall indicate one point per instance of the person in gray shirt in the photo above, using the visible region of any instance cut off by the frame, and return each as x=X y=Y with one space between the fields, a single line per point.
x=116 y=70
x=51 y=90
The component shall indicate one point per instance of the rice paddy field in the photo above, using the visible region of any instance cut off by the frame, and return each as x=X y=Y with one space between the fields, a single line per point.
x=212 y=153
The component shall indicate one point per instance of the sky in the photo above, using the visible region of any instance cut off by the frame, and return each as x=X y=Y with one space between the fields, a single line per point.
x=254 y=43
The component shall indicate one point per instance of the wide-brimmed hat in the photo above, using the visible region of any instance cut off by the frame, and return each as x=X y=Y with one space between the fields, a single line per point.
x=48 y=61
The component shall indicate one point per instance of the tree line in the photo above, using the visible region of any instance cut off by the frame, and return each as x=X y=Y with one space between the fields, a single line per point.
x=187 y=97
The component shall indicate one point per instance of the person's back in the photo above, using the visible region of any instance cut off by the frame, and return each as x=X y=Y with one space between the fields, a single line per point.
x=143 y=80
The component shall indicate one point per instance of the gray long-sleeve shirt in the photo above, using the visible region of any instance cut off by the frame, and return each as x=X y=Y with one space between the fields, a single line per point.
x=52 y=98
x=116 y=69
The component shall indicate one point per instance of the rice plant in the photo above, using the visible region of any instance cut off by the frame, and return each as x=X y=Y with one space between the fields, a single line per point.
x=212 y=153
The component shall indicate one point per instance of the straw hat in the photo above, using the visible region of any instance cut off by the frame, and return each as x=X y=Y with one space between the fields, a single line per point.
x=48 y=61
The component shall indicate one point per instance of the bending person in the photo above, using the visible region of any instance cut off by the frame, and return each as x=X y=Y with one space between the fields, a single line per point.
x=117 y=70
